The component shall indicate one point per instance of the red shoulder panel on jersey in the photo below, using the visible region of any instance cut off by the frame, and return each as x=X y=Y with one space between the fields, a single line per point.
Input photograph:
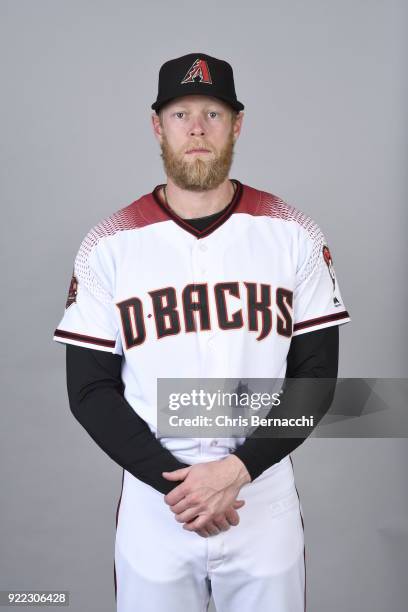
x=263 y=204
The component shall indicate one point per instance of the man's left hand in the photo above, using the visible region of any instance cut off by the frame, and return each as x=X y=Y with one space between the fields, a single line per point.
x=208 y=489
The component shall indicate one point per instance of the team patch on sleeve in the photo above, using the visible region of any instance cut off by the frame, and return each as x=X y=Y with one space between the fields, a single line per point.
x=329 y=263
x=72 y=291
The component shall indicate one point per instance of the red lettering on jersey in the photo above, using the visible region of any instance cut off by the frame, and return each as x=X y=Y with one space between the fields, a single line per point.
x=165 y=311
x=131 y=314
x=284 y=299
x=262 y=307
x=195 y=304
x=225 y=322
x=200 y=305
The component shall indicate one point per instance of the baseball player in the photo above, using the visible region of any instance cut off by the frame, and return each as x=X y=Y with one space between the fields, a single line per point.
x=203 y=277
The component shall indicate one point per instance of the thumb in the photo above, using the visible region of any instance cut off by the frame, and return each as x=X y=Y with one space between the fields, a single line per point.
x=176 y=474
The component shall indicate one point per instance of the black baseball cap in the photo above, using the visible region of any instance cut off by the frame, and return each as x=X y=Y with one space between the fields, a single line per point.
x=196 y=73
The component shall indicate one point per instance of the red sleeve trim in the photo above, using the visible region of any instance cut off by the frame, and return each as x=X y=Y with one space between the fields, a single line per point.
x=60 y=333
x=319 y=320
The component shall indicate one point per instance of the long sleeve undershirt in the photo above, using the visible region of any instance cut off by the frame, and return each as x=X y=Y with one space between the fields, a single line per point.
x=311 y=376
x=95 y=392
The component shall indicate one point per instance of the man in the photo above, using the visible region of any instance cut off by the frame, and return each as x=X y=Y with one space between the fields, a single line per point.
x=204 y=277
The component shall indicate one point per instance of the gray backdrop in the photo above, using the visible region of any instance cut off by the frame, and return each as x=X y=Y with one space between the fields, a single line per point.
x=325 y=89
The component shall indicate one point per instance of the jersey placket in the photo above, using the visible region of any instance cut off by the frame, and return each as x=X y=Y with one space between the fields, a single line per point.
x=203 y=269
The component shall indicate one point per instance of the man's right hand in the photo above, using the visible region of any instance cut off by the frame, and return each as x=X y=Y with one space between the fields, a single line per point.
x=221 y=522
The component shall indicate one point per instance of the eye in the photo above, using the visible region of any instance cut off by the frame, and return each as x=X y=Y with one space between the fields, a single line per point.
x=179 y=114
x=213 y=114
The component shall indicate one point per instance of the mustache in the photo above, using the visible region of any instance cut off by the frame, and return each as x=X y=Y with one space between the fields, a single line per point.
x=197 y=145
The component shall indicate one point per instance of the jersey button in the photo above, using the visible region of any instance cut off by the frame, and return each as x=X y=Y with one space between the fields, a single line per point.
x=203 y=247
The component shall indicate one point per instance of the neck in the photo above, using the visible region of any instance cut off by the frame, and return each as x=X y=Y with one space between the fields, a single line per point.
x=194 y=204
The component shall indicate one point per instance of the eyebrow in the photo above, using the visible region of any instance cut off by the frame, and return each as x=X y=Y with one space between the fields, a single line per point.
x=180 y=107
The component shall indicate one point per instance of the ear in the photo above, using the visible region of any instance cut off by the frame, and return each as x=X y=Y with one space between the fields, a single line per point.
x=237 y=125
x=157 y=128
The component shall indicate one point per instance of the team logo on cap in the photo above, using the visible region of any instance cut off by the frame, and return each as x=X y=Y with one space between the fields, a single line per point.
x=72 y=291
x=198 y=73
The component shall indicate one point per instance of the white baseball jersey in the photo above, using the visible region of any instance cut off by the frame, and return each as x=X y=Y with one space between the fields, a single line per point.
x=180 y=303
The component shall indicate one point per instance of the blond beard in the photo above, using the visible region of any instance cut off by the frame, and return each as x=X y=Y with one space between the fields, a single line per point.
x=198 y=175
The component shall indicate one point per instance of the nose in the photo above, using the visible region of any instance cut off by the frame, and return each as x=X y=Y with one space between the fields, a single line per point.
x=197 y=127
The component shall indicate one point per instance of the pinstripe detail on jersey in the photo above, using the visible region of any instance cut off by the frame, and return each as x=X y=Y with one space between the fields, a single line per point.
x=60 y=333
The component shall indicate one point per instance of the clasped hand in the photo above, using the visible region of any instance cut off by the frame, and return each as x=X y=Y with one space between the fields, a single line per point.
x=206 y=501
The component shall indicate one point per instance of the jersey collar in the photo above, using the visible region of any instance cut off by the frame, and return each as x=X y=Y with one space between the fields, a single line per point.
x=189 y=228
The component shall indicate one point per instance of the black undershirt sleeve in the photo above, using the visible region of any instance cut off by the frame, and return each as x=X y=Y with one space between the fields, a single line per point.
x=310 y=383
x=95 y=392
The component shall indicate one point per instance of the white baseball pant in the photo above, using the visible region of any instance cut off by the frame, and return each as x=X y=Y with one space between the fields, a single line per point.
x=256 y=565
